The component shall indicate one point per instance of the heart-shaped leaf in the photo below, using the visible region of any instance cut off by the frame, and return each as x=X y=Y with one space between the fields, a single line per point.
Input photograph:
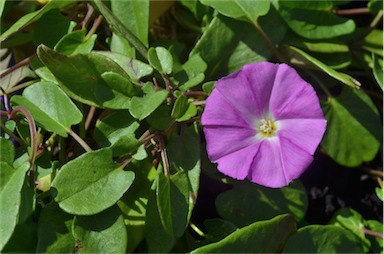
x=50 y=107
x=142 y=106
x=160 y=59
x=352 y=134
x=90 y=183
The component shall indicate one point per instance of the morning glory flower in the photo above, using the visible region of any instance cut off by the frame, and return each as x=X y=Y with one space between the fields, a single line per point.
x=263 y=123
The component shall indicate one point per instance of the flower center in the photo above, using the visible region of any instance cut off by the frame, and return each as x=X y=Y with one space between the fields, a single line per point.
x=267 y=127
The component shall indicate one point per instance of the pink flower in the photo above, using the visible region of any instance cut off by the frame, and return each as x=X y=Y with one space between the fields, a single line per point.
x=263 y=123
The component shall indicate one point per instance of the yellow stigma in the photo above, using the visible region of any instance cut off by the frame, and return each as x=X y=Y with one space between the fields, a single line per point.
x=267 y=128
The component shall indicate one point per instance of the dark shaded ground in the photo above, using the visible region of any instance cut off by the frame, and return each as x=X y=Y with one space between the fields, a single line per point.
x=331 y=186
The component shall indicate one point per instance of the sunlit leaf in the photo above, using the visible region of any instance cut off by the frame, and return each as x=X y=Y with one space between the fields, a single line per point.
x=267 y=236
x=100 y=233
x=50 y=107
x=323 y=239
x=94 y=188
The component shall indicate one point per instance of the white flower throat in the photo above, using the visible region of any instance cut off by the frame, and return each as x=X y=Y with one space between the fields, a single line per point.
x=267 y=128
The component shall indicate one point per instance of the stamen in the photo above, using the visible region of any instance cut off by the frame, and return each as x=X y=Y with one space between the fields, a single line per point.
x=267 y=127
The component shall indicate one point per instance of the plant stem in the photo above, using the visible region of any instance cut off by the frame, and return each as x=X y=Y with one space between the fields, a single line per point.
x=90 y=115
x=16 y=66
x=376 y=20
x=94 y=27
x=355 y=11
x=270 y=44
x=373 y=233
x=322 y=86
x=85 y=21
x=32 y=130
x=10 y=133
x=164 y=156
x=80 y=141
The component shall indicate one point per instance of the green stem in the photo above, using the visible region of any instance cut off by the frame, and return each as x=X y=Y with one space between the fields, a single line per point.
x=80 y=141
x=94 y=27
x=164 y=156
x=121 y=29
x=376 y=20
x=10 y=133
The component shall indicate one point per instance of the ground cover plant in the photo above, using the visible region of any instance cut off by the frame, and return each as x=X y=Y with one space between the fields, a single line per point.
x=191 y=126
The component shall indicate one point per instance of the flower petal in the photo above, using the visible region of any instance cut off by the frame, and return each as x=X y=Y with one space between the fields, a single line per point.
x=292 y=97
x=278 y=162
x=237 y=164
x=248 y=90
x=305 y=133
x=218 y=112
x=223 y=140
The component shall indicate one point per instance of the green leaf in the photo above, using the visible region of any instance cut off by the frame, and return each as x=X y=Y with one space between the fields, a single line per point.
x=375 y=6
x=192 y=73
x=379 y=193
x=240 y=9
x=208 y=87
x=218 y=229
x=351 y=220
x=100 y=233
x=160 y=119
x=94 y=188
x=173 y=202
x=312 y=21
x=50 y=28
x=142 y=106
x=376 y=242
x=31 y=17
x=184 y=154
x=353 y=133
x=160 y=59
x=118 y=131
x=11 y=182
x=55 y=231
x=378 y=70
x=50 y=107
x=226 y=44
x=134 y=202
x=260 y=237
x=25 y=234
x=135 y=68
x=80 y=77
x=373 y=42
x=290 y=199
x=157 y=238
x=7 y=151
x=134 y=15
x=342 y=77
x=183 y=109
x=75 y=43
x=323 y=239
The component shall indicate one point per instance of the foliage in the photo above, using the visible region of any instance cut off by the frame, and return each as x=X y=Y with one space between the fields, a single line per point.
x=101 y=142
